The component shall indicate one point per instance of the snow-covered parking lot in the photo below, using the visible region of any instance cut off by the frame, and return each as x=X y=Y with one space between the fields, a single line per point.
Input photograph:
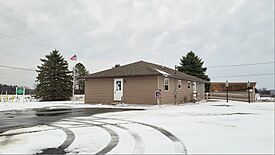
x=212 y=127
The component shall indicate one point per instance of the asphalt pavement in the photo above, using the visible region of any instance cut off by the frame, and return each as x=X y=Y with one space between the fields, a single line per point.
x=14 y=119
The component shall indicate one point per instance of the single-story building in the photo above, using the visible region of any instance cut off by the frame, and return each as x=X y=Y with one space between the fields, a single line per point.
x=138 y=82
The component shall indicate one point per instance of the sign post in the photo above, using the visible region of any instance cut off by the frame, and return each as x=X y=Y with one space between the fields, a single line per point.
x=20 y=91
x=158 y=96
x=226 y=85
x=248 y=92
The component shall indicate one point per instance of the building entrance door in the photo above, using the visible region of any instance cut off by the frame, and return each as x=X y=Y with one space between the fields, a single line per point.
x=118 y=89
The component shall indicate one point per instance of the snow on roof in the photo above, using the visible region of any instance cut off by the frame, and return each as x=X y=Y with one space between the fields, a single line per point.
x=162 y=72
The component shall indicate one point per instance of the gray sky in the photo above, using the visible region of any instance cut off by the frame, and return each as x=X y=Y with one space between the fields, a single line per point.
x=104 y=33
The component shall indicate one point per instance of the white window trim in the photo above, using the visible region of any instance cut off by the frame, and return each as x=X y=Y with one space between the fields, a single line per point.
x=164 y=84
x=179 y=84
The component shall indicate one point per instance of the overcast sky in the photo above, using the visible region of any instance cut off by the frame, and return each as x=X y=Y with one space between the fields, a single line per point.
x=104 y=33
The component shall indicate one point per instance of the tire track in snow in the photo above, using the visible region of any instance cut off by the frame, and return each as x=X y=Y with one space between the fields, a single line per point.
x=70 y=136
x=178 y=144
x=139 y=144
x=34 y=131
x=114 y=136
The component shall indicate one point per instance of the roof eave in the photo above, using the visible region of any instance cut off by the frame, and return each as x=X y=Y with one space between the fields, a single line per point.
x=190 y=79
x=118 y=76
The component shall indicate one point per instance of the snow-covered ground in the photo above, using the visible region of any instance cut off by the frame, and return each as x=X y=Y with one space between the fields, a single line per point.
x=212 y=127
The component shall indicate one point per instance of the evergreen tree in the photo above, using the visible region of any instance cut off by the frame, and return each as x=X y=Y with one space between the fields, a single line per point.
x=80 y=70
x=193 y=65
x=54 y=79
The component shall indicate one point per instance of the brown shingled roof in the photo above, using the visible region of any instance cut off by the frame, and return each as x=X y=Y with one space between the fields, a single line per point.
x=141 y=68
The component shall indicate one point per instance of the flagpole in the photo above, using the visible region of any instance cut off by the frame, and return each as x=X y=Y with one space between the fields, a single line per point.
x=73 y=58
x=73 y=81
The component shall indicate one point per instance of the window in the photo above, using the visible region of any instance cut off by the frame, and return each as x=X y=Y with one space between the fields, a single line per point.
x=194 y=87
x=118 y=85
x=188 y=84
x=166 y=84
x=179 y=84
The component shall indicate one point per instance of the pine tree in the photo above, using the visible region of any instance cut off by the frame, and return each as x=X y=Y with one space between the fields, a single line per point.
x=54 y=79
x=193 y=65
x=80 y=70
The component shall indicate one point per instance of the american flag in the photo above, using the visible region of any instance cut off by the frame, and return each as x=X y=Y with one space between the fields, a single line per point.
x=74 y=58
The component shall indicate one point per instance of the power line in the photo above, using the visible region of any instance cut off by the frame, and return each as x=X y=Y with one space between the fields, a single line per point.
x=37 y=44
x=244 y=75
x=18 y=68
x=41 y=45
x=45 y=46
x=239 y=65
x=34 y=43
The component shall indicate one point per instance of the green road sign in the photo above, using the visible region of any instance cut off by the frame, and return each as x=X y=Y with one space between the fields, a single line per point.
x=20 y=91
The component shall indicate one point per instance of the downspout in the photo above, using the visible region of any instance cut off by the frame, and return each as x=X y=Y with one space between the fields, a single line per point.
x=175 y=86
x=85 y=95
